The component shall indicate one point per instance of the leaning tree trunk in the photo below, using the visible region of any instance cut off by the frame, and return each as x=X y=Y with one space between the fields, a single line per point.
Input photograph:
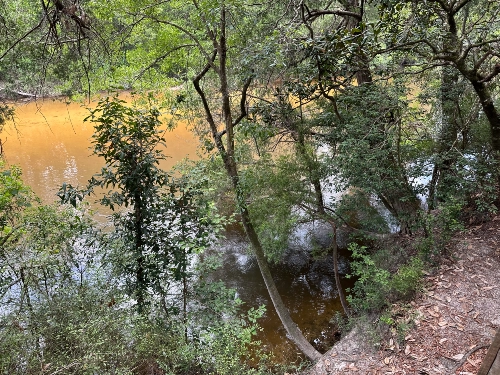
x=478 y=82
x=283 y=313
x=491 y=113
x=227 y=154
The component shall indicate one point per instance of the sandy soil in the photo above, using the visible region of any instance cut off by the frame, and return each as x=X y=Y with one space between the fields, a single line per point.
x=453 y=319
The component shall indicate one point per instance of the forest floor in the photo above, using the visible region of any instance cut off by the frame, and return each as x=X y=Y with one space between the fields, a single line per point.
x=453 y=319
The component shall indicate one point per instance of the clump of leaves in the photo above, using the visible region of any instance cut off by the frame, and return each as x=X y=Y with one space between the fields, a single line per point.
x=376 y=286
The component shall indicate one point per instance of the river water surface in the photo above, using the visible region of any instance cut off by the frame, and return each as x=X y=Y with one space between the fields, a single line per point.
x=50 y=141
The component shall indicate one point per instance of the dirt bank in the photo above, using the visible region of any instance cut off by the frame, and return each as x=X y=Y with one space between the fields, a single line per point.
x=453 y=318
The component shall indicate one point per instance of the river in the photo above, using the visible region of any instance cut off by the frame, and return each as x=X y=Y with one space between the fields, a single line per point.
x=51 y=143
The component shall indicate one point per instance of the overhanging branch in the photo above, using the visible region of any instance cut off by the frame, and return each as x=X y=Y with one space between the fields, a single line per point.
x=243 y=107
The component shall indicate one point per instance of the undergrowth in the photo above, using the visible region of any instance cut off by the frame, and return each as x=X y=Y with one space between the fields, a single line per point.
x=389 y=274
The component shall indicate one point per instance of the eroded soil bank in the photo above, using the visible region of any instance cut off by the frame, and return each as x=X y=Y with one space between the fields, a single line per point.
x=454 y=318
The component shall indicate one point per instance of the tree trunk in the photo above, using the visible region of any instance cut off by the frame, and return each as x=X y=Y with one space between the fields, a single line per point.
x=399 y=199
x=491 y=113
x=283 y=313
x=227 y=154
x=140 y=277
x=445 y=157
x=335 y=255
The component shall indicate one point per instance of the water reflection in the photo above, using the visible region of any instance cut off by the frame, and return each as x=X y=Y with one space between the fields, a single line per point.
x=50 y=141
x=306 y=284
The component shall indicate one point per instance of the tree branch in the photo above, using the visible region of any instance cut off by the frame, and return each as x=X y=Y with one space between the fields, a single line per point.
x=465 y=53
x=460 y=5
x=493 y=74
x=315 y=13
x=159 y=58
x=196 y=82
x=243 y=108
x=21 y=39
x=467 y=355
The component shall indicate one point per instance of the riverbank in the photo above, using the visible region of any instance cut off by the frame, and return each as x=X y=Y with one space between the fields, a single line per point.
x=453 y=319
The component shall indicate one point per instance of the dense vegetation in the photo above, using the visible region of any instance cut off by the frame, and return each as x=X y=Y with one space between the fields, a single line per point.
x=392 y=103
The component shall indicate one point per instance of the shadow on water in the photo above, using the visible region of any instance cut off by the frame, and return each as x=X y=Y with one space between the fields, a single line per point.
x=306 y=284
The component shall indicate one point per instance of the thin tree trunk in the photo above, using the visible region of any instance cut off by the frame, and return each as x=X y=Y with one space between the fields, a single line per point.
x=227 y=154
x=140 y=277
x=338 y=283
x=445 y=158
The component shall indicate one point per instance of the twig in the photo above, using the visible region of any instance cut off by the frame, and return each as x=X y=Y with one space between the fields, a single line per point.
x=65 y=368
x=467 y=355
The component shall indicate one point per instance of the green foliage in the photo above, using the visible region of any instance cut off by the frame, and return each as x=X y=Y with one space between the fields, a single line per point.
x=6 y=113
x=440 y=226
x=64 y=310
x=14 y=196
x=88 y=329
x=127 y=139
x=377 y=285
x=168 y=221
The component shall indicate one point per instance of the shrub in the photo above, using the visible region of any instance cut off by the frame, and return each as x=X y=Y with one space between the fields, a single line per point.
x=377 y=285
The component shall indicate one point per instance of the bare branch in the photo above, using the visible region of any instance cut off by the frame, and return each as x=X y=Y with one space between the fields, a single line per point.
x=21 y=39
x=468 y=354
x=488 y=55
x=465 y=53
x=159 y=58
x=315 y=13
x=208 y=112
x=460 y=5
x=403 y=46
x=304 y=8
x=243 y=108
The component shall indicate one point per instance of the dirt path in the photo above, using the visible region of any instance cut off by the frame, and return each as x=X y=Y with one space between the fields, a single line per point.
x=454 y=318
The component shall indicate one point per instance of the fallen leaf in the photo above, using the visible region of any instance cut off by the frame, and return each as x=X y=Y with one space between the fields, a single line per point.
x=442 y=323
x=443 y=340
x=472 y=362
x=457 y=357
x=487 y=288
x=432 y=313
x=407 y=349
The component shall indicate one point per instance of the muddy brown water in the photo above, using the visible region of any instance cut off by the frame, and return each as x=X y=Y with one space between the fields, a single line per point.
x=51 y=143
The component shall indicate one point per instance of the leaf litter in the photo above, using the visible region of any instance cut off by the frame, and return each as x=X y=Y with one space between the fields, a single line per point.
x=454 y=318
